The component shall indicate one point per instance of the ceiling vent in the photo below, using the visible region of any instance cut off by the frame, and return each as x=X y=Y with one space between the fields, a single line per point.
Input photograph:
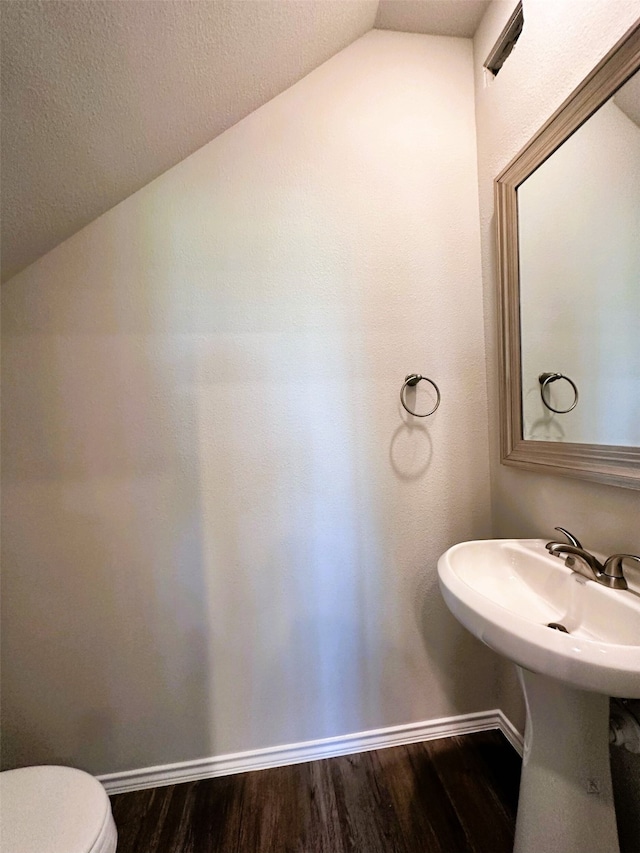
x=506 y=41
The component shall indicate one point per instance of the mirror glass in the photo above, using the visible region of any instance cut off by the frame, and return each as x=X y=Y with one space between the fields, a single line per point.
x=579 y=264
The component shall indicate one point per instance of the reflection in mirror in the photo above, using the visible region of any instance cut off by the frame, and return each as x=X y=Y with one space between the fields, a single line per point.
x=579 y=250
x=568 y=259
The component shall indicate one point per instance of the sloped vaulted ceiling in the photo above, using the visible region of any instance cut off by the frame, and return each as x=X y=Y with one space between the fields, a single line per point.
x=101 y=96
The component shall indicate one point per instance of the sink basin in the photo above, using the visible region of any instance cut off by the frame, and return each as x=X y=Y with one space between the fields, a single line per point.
x=507 y=592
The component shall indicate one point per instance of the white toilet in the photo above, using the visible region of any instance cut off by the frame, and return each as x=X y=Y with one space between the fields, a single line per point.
x=54 y=810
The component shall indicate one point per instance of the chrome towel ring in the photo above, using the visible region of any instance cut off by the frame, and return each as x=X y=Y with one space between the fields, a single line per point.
x=545 y=379
x=411 y=380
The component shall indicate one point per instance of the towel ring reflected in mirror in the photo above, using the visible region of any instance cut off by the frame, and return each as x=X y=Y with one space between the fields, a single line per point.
x=546 y=379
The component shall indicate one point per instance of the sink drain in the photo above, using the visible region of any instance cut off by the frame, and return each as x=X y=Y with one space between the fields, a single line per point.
x=557 y=627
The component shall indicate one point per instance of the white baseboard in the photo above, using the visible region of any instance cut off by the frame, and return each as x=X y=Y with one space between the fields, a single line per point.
x=511 y=733
x=296 y=753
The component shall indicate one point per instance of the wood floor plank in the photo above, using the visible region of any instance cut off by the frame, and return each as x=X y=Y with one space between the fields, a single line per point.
x=275 y=810
x=421 y=803
x=324 y=825
x=365 y=807
x=456 y=795
x=476 y=803
x=502 y=768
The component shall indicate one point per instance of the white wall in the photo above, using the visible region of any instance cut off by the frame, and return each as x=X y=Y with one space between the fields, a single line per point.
x=561 y=42
x=220 y=528
x=579 y=236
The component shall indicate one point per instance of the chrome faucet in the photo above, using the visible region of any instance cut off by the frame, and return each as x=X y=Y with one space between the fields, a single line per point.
x=581 y=561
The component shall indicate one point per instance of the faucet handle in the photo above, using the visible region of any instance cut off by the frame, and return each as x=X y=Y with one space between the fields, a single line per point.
x=613 y=568
x=570 y=538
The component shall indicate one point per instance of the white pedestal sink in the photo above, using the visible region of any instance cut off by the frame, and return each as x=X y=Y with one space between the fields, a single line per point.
x=507 y=592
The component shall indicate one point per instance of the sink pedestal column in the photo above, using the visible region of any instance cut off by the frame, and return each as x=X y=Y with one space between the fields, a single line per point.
x=566 y=798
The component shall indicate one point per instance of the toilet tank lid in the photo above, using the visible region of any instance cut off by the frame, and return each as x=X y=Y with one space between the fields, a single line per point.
x=49 y=809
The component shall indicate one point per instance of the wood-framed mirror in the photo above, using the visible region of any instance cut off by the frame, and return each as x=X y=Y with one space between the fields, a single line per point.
x=600 y=439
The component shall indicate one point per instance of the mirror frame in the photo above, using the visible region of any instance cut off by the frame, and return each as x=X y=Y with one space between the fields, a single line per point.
x=610 y=464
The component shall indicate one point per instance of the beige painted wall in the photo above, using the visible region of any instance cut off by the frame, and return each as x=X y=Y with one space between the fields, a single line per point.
x=561 y=42
x=220 y=528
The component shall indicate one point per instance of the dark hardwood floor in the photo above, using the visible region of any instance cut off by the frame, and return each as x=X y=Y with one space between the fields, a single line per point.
x=455 y=795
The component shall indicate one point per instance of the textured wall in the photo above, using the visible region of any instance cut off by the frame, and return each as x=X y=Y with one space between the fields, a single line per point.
x=100 y=97
x=220 y=528
x=561 y=42
x=435 y=17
